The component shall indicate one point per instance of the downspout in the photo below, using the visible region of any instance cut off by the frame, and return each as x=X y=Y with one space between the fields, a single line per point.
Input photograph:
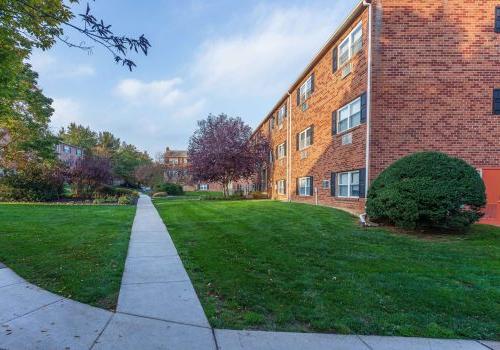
x=289 y=149
x=368 y=95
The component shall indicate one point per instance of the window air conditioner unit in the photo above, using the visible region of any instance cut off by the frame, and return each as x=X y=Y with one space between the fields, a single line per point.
x=347 y=139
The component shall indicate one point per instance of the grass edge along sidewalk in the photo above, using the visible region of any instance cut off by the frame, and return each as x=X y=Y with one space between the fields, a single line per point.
x=76 y=251
x=270 y=265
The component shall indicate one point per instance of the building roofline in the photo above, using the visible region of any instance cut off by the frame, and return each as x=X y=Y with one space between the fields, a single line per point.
x=319 y=54
x=69 y=144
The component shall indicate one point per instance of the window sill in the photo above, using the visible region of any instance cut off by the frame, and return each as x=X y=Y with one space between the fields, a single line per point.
x=349 y=130
x=347 y=199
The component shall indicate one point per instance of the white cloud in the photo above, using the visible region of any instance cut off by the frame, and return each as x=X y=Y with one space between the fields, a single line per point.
x=66 y=110
x=265 y=59
x=161 y=92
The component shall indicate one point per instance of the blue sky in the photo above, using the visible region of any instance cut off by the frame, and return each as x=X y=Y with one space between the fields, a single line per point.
x=236 y=57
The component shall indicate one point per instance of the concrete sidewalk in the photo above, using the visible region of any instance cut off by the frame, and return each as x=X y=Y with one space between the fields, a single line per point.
x=155 y=287
x=159 y=309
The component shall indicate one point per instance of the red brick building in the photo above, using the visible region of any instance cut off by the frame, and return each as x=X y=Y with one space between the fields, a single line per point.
x=177 y=171
x=397 y=77
x=69 y=154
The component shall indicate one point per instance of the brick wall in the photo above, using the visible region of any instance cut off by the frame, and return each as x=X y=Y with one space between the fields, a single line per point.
x=326 y=154
x=435 y=66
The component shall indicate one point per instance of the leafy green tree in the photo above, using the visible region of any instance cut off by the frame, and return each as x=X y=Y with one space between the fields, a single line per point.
x=79 y=135
x=107 y=144
x=27 y=24
x=24 y=118
x=126 y=160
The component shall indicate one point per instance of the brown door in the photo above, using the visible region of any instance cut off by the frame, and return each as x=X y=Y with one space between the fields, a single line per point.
x=491 y=178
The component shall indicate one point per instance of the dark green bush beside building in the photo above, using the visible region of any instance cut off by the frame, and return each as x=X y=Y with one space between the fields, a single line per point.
x=170 y=188
x=427 y=190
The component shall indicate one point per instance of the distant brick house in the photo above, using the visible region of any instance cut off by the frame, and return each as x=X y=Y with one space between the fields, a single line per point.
x=69 y=154
x=177 y=171
x=395 y=78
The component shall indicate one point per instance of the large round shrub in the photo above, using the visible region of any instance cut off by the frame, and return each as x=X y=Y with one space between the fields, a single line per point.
x=427 y=190
x=171 y=188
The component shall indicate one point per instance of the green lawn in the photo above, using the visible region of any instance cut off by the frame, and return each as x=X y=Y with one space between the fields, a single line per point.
x=279 y=266
x=76 y=251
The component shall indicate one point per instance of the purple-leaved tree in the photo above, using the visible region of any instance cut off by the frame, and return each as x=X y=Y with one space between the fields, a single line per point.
x=223 y=150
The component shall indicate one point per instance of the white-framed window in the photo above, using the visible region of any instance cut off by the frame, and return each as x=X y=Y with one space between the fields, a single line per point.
x=305 y=186
x=305 y=89
x=78 y=152
x=351 y=44
x=325 y=184
x=203 y=187
x=348 y=184
x=349 y=115
x=281 y=186
x=305 y=138
x=173 y=161
x=281 y=115
x=66 y=149
x=281 y=151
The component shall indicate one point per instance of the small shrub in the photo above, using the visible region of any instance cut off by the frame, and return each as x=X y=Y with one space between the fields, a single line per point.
x=107 y=190
x=98 y=201
x=125 y=200
x=170 y=188
x=427 y=190
x=110 y=199
x=160 y=194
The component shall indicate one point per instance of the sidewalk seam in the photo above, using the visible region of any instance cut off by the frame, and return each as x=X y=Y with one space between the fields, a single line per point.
x=215 y=339
x=34 y=310
x=486 y=346
x=12 y=284
x=159 y=282
x=96 y=340
x=364 y=342
x=162 y=320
